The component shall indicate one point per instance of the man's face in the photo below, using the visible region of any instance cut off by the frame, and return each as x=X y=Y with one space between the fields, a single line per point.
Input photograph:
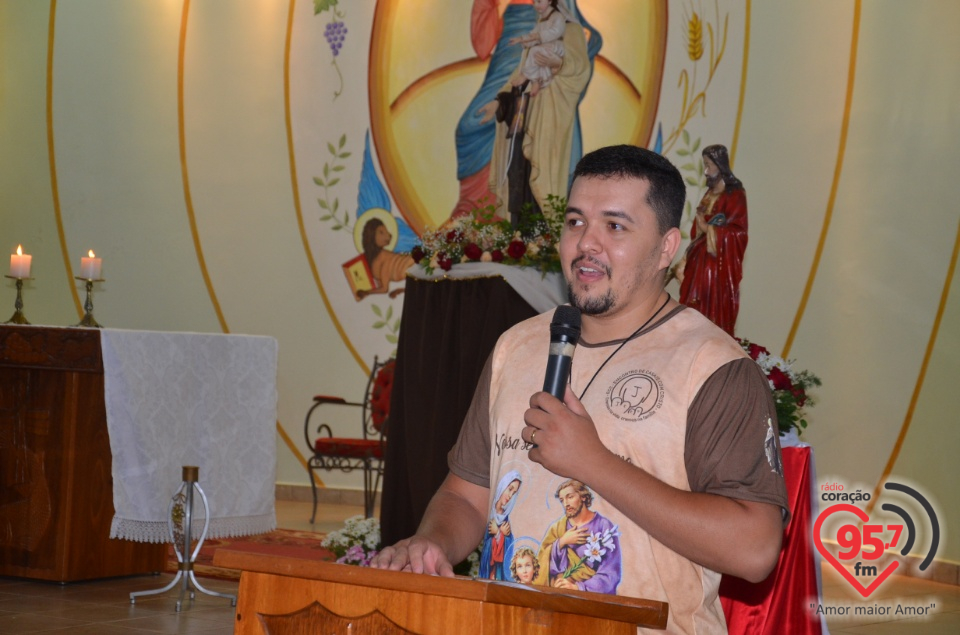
x=611 y=248
x=572 y=502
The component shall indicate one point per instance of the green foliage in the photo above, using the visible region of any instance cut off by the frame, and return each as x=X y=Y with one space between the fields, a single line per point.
x=319 y=6
x=331 y=204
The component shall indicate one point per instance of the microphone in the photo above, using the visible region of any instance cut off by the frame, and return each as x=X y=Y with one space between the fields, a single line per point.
x=564 y=335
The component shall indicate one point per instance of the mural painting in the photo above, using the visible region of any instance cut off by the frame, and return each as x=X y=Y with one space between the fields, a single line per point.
x=472 y=105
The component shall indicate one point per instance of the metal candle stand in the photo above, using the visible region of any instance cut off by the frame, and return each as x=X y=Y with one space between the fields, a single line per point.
x=180 y=520
x=18 y=317
x=88 y=319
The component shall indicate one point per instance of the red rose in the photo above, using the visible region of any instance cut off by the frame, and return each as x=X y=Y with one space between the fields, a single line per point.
x=781 y=381
x=799 y=395
x=417 y=254
x=472 y=251
x=444 y=261
x=453 y=236
x=756 y=349
x=516 y=249
x=496 y=255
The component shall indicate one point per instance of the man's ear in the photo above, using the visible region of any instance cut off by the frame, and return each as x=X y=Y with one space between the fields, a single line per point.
x=669 y=244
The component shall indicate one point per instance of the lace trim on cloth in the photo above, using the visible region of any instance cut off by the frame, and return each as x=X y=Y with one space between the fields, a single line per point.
x=159 y=532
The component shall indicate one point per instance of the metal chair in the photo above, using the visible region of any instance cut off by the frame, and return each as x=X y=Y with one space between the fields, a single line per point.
x=364 y=452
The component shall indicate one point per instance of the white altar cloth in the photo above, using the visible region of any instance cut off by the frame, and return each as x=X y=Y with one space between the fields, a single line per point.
x=176 y=399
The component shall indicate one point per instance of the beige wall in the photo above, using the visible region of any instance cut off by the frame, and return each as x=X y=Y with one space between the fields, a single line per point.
x=203 y=208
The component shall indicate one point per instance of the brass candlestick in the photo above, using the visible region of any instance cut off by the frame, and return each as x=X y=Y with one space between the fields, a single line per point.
x=88 y=320
x=18 y=317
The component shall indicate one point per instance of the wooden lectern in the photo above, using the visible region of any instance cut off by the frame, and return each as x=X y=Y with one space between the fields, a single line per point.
x=280 y=595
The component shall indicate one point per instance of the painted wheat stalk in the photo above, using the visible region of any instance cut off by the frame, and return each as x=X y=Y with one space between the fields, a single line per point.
x=695 y=38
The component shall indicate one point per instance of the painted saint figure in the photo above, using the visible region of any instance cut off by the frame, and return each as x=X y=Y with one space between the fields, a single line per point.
x=385 y=265
x=492 y=27
x=524 y=567
x=581 y=550
x=711 y=270
x=498 y=540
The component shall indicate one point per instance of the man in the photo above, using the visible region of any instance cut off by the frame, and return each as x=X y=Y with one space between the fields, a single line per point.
x=582 y=549
x=712 y=267
x=685 y=478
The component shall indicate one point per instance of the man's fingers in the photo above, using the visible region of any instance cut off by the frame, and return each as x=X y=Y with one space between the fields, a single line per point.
x=571 y=401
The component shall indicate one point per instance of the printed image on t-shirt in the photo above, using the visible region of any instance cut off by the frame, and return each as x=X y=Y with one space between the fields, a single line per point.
x=581 y=549
x=498 y=540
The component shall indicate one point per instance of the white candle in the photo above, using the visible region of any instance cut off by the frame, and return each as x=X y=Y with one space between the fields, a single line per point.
x=90 y=267
x=20 y=264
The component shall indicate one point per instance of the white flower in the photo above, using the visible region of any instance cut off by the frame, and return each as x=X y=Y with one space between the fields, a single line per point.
x=486 y=257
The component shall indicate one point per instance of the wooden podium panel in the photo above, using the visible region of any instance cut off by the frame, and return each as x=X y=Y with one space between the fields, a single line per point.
x=56 y=492
x=280 y=596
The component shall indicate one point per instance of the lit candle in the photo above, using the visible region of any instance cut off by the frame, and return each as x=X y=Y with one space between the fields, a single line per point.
x=20 y=264
x=90 y=267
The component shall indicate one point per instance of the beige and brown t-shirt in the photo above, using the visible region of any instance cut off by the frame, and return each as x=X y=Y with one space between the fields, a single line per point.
x=680 y=400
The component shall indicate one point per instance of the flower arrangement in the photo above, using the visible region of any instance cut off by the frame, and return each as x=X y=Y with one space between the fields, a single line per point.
x=789 y=386
x=484 y=237
x=357 y=543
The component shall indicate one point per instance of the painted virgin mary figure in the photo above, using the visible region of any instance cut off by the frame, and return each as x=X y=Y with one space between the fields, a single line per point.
x=551 y=142
x=498 y=540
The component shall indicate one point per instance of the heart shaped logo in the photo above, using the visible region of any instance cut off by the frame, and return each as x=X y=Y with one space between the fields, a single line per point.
x=862 y=515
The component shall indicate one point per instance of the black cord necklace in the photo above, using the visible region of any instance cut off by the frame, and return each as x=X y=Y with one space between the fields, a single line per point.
x=624 y=343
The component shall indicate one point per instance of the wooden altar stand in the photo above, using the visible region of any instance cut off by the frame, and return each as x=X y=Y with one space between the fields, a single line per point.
x=56 y=486
x=281 y=595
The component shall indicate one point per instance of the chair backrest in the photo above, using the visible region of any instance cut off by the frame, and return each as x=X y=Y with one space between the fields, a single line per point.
x=376 y=402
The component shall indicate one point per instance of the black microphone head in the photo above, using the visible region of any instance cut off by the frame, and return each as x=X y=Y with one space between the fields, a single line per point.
x=565 y=325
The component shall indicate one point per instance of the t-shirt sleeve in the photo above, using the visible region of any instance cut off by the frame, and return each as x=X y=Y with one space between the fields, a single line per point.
x=732 y=439
x=470 y=456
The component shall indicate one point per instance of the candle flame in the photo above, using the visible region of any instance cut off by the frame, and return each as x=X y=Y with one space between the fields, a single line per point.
x=91 y=254
x=19 y=250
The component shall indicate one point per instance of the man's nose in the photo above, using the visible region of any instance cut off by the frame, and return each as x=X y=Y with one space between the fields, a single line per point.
x=589 y=242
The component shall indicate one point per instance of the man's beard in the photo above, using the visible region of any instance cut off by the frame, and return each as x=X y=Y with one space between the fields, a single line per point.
x=712 y=180
x=591 y=306
x=576 y=512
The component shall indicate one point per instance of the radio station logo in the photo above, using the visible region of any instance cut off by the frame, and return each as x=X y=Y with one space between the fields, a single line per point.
x=864 y=543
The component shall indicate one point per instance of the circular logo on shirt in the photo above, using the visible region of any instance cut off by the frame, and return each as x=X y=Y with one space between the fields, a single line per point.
x=635 y=395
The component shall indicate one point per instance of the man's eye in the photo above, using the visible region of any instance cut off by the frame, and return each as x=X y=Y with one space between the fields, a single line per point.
x=616 y=227
x=574 y=222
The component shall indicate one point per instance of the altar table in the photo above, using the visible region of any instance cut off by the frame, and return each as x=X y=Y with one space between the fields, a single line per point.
x=67 y=485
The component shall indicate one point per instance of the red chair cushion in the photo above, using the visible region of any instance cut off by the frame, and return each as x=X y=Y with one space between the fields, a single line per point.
x=349 y=448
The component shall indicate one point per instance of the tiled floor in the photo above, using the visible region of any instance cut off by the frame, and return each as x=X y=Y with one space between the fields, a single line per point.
x=103 y=607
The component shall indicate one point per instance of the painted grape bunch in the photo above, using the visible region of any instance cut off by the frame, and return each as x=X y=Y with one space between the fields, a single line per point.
x=335 y=33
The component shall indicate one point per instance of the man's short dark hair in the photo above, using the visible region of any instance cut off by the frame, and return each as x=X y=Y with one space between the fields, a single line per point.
x=667 y=191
